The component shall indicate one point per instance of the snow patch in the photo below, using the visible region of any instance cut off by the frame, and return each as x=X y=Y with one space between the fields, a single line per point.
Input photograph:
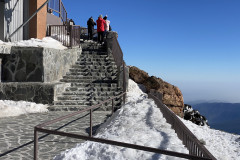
x=223 y=145
x=139 y=122
x=46 y=42
x=15 y=108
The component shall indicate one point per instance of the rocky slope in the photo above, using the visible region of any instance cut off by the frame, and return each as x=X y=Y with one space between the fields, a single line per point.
x=172 y=96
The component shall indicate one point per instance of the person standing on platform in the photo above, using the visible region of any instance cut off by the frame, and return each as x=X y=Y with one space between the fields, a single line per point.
x=100 y=28
x=90 y=24
x=106 y=26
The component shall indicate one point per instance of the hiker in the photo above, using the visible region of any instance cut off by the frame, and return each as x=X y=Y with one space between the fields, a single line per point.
x=100 y=28
x=90 y=24
x=106 y=26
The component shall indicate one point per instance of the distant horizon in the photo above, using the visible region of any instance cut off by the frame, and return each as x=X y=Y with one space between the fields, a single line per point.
x=206 y=101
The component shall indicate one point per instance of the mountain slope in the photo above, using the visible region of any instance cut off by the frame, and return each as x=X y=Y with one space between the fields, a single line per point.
x=222 y=116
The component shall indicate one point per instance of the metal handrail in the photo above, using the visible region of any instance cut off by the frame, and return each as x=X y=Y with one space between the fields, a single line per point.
x=39 y=128
x=194 y=146
x=9 y=38
x=117 y=53
x=59 y=8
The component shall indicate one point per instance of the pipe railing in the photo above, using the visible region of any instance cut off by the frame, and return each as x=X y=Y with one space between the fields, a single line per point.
x=194 y=146
x=58 y=7
x=40 y=128
x=116 y=51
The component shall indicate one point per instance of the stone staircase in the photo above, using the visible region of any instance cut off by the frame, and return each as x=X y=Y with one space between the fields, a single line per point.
x=93 y=79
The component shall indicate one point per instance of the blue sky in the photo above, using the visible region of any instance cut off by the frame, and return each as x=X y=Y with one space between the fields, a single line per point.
x=193 y=44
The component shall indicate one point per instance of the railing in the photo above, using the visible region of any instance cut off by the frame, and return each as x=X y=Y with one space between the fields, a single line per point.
x=58 y=7
x=40 y=128
x=188 y=138
x=117 y=53
x=68 y=35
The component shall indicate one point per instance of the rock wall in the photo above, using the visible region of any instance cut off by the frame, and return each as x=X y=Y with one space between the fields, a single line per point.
x=172 y=96
x=35 y=64
x=31 y=91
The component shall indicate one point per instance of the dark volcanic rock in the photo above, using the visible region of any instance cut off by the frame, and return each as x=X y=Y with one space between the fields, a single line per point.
x=172 y=96
x=194 y=115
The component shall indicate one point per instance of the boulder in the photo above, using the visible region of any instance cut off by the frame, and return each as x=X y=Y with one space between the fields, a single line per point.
x=194 y=116
x=172 y=96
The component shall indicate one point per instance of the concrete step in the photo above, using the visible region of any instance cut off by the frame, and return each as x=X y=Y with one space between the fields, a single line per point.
x=100 y=73
x=85 y=102
x=91 y=93
x=84 y=84
x=93 y=68
x=87 y=81
x=67 y=107
x=93 y=52
x=78 y=108
x=92 y=89
x=95 y=56
x=81 y=77
x=95 y=59
x=101 y=63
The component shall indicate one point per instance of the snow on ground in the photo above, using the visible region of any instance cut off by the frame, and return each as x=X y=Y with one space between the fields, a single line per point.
x=223 y=145
x=16 y=108
x=139 y=122
x=47 y=42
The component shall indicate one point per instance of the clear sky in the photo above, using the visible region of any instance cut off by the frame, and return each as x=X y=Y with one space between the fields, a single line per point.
x=192 y=44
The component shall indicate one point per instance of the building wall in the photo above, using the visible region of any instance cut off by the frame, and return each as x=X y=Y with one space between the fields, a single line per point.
x=1 y=20
x=35 y=64
x=13 y=18
x=25 y=18
x=37 y=26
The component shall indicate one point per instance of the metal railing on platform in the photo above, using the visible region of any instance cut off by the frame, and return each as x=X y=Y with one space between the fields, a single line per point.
x=194 y=146
x=69 y=35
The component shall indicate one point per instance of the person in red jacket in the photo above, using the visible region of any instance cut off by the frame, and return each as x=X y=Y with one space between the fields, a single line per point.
x=100 y=28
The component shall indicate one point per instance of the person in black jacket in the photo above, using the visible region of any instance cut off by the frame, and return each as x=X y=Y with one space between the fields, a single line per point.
x=90 y=24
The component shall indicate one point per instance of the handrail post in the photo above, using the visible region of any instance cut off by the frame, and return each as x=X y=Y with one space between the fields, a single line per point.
x=90 y=132
x=60 y=6
x=50 y=30
x=70 y=35
x=112 y=106
x=35 y=144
